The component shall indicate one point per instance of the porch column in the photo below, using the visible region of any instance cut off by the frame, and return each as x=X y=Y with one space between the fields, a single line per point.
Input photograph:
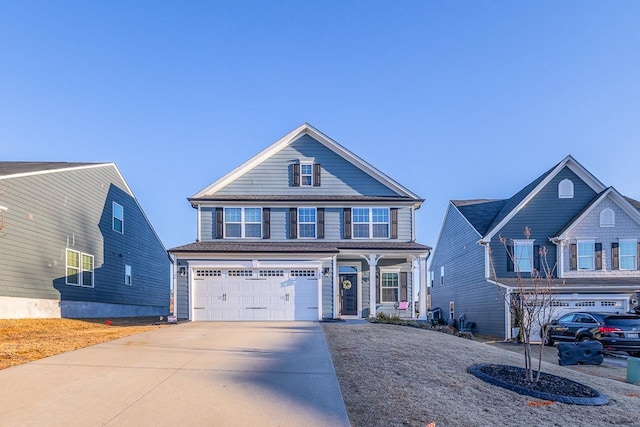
x=422 y=269
x=373 y=262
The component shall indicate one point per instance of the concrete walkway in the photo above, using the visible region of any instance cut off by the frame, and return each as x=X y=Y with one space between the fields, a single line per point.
x=206 y=374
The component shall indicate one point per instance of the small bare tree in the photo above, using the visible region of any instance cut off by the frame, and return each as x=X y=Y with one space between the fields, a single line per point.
x=531 y=300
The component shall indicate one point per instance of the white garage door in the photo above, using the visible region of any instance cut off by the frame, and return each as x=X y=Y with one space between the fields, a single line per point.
x=563 y=304
x=246 y=294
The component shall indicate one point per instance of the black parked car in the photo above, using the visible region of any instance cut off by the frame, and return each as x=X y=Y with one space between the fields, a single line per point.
x=617 y=332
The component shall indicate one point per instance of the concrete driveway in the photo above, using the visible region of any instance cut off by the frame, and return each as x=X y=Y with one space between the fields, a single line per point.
x=208 y=374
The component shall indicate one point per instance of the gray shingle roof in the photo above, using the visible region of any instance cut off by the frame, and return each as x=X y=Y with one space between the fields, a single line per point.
x=315 y=246
x=605 y=284
x=289 y=198
x=13 y=168
x=479 y=213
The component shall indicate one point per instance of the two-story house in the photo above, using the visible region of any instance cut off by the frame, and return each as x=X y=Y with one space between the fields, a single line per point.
x=305 y=230
x=75 y=242
x=590 y=234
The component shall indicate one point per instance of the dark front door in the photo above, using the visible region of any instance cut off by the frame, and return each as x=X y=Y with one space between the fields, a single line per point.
x=349 y=293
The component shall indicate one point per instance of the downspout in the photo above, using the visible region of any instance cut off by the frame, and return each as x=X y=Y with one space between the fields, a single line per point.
x=198 y=224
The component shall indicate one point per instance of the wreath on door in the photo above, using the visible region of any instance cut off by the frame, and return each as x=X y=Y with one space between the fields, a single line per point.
x=346 y=284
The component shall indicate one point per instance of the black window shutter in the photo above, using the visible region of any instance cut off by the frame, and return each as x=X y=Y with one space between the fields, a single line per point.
x=615 y=256
x=219 y=223
x=266 y=223
x=510 y=259
x=295 y=174
x=377 y=287
x=573 y=256
x=293 y=223
x=316 y=174
x=394 y=223
x=320 y=224
x=347 y=223
x=598 y=256
x=536 y=257
x=403 y=286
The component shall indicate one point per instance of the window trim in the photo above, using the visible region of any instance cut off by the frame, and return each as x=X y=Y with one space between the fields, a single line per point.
x=315 y=223
x=370 y=222
x=593 y=254
x=128 y=274
x=396 y=287
x=80 y=269
x=303 y=175
x=634 y=256
x=115 y=217
x=243 y=223
x=516 y=259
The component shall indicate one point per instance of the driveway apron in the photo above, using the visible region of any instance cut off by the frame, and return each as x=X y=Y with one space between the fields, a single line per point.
x=208 y=374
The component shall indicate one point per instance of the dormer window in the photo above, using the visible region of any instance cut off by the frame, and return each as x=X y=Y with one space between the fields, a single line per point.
x=607 y=218
x=565 y=189
x=305 y=174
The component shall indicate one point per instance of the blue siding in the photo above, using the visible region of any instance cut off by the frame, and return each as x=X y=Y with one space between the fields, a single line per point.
x=339 y=177
x=545 y=215
x=49 y=213
x=464 y=280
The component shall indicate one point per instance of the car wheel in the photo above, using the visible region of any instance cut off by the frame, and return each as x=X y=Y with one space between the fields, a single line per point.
x=585 y=339
x=548 y=341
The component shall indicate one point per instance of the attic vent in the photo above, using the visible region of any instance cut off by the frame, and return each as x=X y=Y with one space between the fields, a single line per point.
x=607 y=218
x=565 y=189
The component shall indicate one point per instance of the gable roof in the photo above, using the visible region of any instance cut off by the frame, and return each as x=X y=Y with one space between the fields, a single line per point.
x=514 y=204
x=10 y=169
x=480 y=213
x=291 y=137
x=623 y=202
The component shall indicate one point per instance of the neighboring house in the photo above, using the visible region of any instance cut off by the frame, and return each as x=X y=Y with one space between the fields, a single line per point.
x=591 y=231
x=76 y=243
x=305 y=230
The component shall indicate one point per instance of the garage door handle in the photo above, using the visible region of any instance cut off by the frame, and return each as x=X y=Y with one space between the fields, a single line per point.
x=287 y=297
x=224 y=297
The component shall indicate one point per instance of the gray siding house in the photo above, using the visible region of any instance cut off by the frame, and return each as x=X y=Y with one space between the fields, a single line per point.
x=76 y=243
x=590 y=232
x=305 y=230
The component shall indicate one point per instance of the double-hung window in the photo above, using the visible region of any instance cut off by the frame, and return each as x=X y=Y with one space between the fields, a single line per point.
x=389 y=287
x=243 y=222
x=523 y=255
x=371 y=223
x=79 y=269
x=307 y=223
x=306 y=174
x=628 y=254
x=118 y=218
x=586 y=254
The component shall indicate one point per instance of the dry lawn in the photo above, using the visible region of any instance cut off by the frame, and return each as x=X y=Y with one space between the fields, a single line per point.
x=24 y=340
x=400 y=376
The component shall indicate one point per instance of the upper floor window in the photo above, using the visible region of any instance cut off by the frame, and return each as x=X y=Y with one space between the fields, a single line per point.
x=118 y=218
x=586 y=254
x=307 y=223
x=442 y=275
x=607 y=218
x=628 y=254
x=79 y=269
x=371 y=223
x=565 y=189
x=243 y=222
x=523 y=255
x=306 y=174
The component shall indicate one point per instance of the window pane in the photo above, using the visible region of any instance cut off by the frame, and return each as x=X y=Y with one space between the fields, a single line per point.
x=87 y=262
x=253 y=215
x=233 y=214
x=253 y=230
x=306 y=169
x=72 y=276
x=117 y=225
x=389 y=279
x=628 y=253
x=380 y=230
x=586 y=251
x=360 y=215
x=389 y=295
x=308 y=230
x=307 y=215
x=234 y=230
x=87 y=278
x=380 y=214
x=73 y=259
x=360 y=230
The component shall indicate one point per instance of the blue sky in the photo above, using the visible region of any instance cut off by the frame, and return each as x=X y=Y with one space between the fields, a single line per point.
x=454 y=100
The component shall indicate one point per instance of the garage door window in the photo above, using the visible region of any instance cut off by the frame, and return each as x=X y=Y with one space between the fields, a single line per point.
x=243 y=222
